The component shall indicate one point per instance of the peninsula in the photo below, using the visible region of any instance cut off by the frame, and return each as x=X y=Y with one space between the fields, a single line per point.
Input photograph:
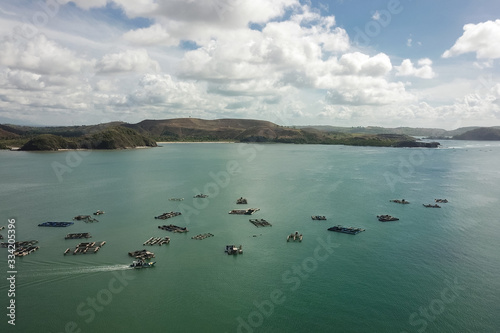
x=120 y=135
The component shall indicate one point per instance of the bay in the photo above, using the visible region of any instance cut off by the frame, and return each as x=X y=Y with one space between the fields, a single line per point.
x=434 y=270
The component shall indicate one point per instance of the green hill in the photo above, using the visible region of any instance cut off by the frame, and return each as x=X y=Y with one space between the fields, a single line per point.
x=250 y=130
x=111 y=138
x=118 y=135
x=193 y=129
x=116 y=138
x=48 y=142
x=482 y=133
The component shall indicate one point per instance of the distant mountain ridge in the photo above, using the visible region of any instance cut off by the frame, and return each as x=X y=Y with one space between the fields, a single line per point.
x=251 y=130
x=230 y=129
x=482 y=133
x=413 y=131
x=112 y=137
x=116 y=135
x=196 y=129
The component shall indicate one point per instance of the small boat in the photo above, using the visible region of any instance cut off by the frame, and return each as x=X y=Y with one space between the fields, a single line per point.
x=432 y=206
x=346 y=230
x=55 y=224
x=201 y=196
x=99 y=212
x=294 y=236
x=241 y=201
x=248 y=211
x=402 y=201
x=441 y=200
x=387 y=218
x=142 y=264
x=176 y=199
x=233 y=249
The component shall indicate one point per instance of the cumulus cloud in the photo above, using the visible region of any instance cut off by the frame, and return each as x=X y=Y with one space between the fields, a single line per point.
x=424 y=71
x=226 y=13
x=307 y=51
x=25 y=80
x=199 y=21
x=153 y=35
x=362 y=64
x=353 y=90
x=161 y=89
x=127 y=61
x=481 y=38
x=278 y=60
x=280 y=47
x=335 y=112
x=42 y=56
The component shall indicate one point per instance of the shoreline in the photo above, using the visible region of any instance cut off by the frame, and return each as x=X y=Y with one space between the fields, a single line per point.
x=169 y=142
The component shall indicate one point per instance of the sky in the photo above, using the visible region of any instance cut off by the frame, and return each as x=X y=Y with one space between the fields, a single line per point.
x=391 y=63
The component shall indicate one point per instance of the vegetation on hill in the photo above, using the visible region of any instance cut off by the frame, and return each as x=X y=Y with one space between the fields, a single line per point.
x=116 y=138
x=249 y=130
x=48 y=142
x=482 y=133
x=111 y=138
x=119 y=135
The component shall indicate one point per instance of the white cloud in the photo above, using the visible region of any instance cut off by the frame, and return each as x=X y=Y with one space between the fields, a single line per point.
x=481 y=38
x=161 y=89
x=223 y=13
x=297 y=66
x=153 y=35
x=336 y=112
x=200 y=21
x=25 y=80
x=106 y=85
x=127 y=61
x=353 y=90
x=42 y=56
x=408 y=69
x=362 y=64
x=280 y=47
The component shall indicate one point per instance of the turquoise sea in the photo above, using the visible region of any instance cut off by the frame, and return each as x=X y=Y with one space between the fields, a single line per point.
x=434 y=270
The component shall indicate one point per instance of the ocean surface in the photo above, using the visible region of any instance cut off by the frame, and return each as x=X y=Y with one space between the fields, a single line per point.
x=434 y=270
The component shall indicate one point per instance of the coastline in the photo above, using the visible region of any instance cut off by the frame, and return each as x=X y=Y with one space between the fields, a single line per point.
x=168 y=142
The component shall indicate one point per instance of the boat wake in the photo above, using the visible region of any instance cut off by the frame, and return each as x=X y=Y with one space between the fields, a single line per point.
x=37 y=277
x=61 y=271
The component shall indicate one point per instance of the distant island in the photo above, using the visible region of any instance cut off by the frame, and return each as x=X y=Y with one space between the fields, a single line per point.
x=52 y=139
x=120 y=135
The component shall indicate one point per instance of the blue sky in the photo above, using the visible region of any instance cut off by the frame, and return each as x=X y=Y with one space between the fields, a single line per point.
x=418 y=63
